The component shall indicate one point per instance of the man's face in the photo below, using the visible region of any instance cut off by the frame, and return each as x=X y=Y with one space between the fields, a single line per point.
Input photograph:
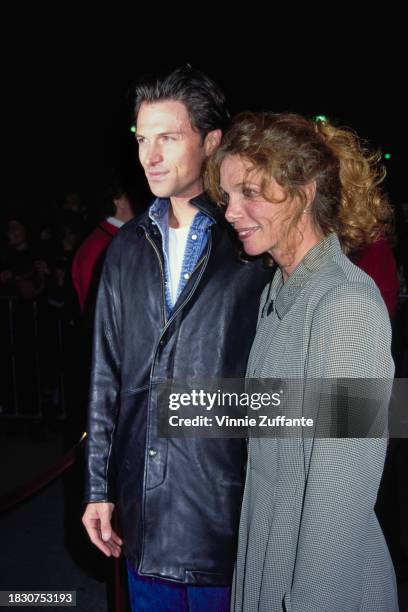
x=170 y=151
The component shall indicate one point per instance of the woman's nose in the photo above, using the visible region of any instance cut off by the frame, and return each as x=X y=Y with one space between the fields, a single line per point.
x=233 y=211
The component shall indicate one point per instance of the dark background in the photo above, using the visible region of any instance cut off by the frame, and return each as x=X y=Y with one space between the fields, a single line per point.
x=67 y=76
x=68 y=86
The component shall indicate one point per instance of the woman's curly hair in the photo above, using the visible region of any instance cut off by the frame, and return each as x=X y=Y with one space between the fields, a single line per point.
x=296 y=151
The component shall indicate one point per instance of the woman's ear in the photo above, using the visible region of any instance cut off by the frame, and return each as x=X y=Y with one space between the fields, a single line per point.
x=310 y=193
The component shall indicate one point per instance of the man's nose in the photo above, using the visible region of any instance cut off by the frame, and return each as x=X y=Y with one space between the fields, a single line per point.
x=153 y=155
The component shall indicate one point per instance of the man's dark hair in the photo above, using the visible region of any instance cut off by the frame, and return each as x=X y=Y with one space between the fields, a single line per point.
x=203 y=99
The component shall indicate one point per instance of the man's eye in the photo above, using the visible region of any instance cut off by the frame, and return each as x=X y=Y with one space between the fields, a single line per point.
x=139 y=140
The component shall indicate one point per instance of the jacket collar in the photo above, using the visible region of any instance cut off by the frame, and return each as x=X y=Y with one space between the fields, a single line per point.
x=160 y=206
x=285 y=294
x=207 y=206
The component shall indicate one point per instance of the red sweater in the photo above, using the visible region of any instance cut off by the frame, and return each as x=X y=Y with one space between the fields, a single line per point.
x=88 y=260
x=378 y=261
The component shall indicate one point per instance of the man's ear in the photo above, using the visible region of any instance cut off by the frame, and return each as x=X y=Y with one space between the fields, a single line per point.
x=212 y=141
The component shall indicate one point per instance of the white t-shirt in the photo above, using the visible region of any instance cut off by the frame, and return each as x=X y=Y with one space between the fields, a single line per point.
x=177 y=246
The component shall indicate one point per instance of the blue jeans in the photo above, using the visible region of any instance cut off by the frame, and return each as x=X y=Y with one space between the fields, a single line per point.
x=156 y=595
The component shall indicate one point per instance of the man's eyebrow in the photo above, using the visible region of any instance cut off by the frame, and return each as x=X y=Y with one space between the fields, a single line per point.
x=171 y=133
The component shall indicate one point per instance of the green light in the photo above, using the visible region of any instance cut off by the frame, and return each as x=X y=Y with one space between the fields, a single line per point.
x=321 y=118
x=387 y=155
x=133 y=129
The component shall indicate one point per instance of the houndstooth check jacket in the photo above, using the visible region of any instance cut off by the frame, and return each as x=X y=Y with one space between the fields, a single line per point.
x=309 y=540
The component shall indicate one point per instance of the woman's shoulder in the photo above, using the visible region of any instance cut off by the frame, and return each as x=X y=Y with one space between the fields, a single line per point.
x=342 y=290
x=341 y=277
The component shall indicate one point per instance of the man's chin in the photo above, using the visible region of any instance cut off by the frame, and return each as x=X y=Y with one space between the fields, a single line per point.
x=160 y=191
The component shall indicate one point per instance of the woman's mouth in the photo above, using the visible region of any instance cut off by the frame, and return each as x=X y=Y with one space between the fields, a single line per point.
x=246 y=232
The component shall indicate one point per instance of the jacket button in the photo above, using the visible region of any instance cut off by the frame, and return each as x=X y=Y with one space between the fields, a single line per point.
x=152 y=452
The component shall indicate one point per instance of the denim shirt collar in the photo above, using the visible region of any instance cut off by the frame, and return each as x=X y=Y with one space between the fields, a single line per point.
x=158 y=210
x=160 y=206
x=159 y=215
x=196 y=240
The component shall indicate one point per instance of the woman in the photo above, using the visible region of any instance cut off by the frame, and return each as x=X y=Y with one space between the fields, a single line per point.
x=306 y=194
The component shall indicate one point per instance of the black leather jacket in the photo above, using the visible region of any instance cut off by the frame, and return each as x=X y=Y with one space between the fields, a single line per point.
x=178 y=499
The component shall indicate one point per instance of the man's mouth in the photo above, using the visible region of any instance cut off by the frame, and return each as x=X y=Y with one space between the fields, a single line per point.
x=156 y=176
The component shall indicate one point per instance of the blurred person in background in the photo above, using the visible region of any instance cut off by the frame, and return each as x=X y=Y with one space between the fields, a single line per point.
x=378 y=261
x=88 y=261
x=23 y=270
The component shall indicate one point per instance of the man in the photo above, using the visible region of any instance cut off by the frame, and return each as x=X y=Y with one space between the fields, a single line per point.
x=175 y=302
x=88 y=260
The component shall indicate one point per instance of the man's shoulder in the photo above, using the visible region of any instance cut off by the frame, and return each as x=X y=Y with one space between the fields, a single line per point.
x=141 y=220
x=127 y=242
x=135 y=228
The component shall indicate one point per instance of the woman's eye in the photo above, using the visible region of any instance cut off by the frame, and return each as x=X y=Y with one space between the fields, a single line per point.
x=224 y=198
x=250 y=193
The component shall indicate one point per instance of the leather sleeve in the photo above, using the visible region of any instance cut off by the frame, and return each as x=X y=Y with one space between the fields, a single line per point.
x=105 y=384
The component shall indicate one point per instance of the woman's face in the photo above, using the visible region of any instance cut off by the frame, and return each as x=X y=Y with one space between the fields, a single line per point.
x=260 y=224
